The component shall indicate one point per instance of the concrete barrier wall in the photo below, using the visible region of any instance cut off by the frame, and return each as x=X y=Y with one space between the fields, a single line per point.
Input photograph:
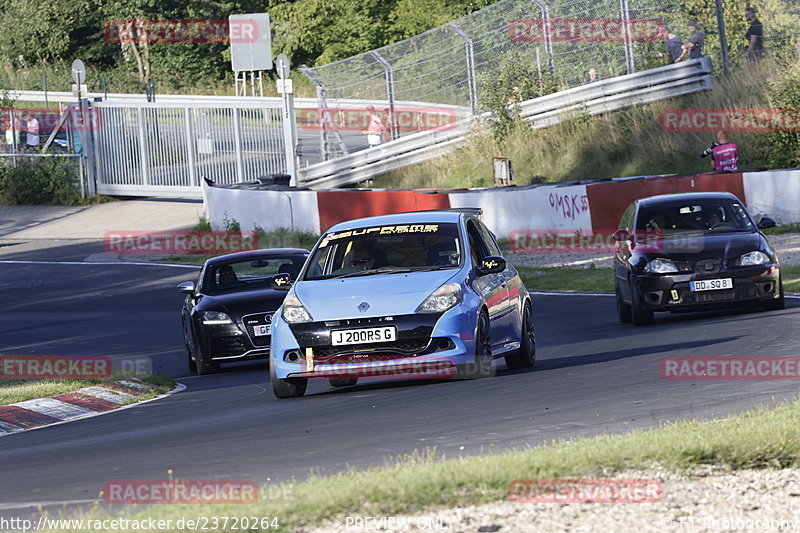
x=594 y=206
x=537 y=208
x=268 y=210
x=775 y=193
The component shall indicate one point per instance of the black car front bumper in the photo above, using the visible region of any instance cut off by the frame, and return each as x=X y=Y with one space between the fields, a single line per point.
x=672 y=292
x=233 y=342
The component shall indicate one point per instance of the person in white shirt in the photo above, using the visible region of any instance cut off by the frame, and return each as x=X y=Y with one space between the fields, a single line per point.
x=32 y=128
x=374 y=127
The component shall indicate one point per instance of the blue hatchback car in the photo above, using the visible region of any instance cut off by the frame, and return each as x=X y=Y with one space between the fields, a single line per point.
x=418 y=294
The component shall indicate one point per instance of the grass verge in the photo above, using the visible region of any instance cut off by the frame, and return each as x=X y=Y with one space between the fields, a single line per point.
x=19 y=390
x=762 y=438
x=794 y=227
x=791 y=278
x=567 y=279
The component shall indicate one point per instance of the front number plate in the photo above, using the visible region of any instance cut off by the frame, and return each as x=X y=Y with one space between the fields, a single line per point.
x=362 y=336
x=711 y=284
x=260 y=331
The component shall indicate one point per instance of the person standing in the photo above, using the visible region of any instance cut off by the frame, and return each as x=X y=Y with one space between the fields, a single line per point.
x=674 y=45
x=725 y=156
x=694 y=46
x=754 y=35
x=374 y=127
x=32 y=129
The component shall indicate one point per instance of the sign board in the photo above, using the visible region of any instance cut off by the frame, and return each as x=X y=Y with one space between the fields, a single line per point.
x=282 y=66
x=78 y=72
x=284 y=86
x=251 y=42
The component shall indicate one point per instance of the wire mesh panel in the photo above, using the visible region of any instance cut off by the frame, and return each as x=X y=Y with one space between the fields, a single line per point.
x=566 y=43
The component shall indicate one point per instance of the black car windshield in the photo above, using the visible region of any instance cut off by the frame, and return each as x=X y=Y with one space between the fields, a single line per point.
x=708 y=215
x=386 y=249
x=248 y=274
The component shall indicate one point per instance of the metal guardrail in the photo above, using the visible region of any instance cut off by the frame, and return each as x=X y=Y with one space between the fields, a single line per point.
x=595 y=98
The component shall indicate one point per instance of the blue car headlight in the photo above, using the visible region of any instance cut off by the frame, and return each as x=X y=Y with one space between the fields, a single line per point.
x=442 y=299
x=660 y=266
x=215 y=317
x=294 y=312
x=753 y=259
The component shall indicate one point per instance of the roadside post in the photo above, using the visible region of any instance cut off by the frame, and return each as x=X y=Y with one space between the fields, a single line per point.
x=78 y=70
x=289 y=127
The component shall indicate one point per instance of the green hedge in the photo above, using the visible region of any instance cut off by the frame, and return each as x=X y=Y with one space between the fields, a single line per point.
x=43 y=181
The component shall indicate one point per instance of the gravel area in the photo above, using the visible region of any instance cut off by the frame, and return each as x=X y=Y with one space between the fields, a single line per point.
x=707 y=499
x=787 y=245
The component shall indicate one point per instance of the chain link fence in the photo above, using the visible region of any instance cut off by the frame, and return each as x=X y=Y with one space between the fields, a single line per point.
x=563 y=43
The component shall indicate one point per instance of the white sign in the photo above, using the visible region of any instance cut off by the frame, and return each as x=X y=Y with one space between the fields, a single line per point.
x=251 y=42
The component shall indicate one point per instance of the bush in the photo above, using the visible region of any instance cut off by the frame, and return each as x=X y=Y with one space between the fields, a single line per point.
x=47 y=181
x=784 y=146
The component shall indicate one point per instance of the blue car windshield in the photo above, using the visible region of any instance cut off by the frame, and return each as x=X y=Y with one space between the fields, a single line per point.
x=716 y=215
x=386 y=248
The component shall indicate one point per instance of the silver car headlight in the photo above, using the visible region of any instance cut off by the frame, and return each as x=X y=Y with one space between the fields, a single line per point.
x=753 y=259
x=660 y=266
x=294 y=312
x=215 y=317
x=442 y=299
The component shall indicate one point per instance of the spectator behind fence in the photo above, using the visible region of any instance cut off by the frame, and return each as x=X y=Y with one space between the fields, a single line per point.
x=386 y=134
x=374 y=127
x=754 y=36
x=31 y=126
x=694 y=46
x=724 y=154
x=674 y=45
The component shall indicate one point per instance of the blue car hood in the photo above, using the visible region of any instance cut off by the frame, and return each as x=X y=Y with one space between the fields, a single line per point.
x=386 y=294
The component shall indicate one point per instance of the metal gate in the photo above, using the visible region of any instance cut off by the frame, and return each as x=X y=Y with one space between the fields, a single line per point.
x=146 y=149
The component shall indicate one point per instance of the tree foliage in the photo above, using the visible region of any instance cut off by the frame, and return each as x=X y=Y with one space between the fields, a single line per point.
x=40 y=35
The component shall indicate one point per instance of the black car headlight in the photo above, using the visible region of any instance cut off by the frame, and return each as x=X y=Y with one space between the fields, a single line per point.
x=660 y=266
x=753 y=259
x=211 y=318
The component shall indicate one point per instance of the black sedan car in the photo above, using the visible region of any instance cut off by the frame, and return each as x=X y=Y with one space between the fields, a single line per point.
x=227 y=315
x=692 y=252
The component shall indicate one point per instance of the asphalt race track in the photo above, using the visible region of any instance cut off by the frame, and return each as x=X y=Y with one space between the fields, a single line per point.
x=593 y=375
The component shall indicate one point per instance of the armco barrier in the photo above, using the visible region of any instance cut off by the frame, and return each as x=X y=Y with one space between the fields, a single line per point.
x=572 y=207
